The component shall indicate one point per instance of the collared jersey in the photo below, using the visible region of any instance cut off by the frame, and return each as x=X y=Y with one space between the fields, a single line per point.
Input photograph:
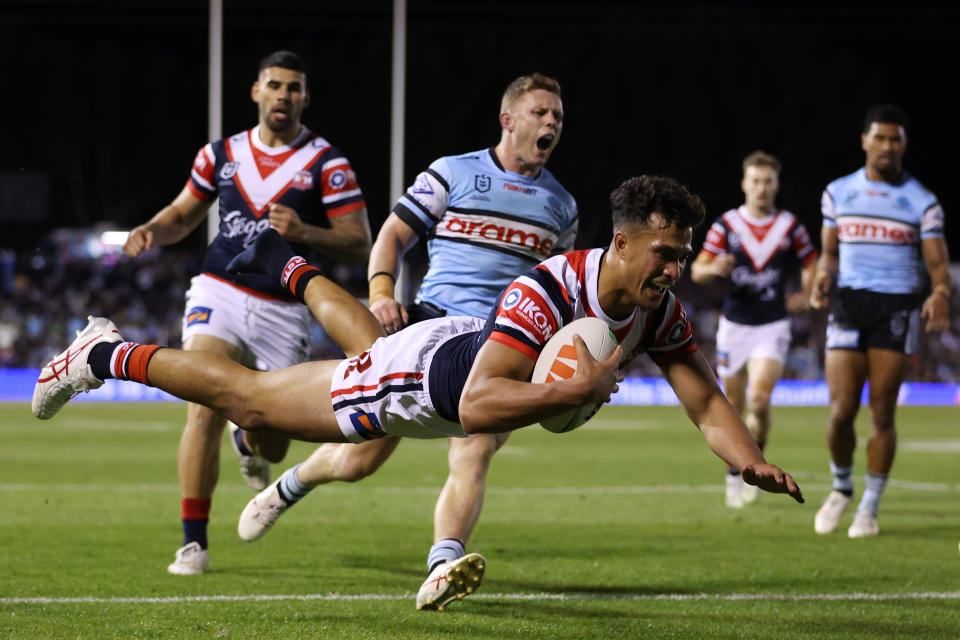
x=536 y=305
x=309 y=175
x=483 y=226
x=879 y=228
x=766 y=251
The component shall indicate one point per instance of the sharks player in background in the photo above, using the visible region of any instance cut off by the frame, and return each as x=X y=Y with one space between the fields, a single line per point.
x=486 y=216
x=279 y=174
x=881 y=227
x=757 y=248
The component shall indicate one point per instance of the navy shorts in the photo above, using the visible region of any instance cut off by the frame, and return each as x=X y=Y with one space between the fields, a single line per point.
x=861 y=320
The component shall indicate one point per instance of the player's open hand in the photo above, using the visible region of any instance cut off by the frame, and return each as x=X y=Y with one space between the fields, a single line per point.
x=772 y=478
x=822 y=282
x=138 y=241
x=936 y=311
x=601 y=378
x=391 y=315
x=286 y=221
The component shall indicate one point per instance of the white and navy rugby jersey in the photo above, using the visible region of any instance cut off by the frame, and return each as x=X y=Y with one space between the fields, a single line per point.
x=484 y=226
x=536 y=305
x=879 y=227
x=766 y=251
x=308 y=175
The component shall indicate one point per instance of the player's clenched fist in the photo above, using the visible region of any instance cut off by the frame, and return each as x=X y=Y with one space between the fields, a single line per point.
x=138 y=241
x=286 y=221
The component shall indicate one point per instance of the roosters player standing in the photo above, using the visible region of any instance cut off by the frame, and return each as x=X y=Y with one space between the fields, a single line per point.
x=279 y=174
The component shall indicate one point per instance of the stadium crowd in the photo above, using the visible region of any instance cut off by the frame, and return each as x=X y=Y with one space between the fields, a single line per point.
x=145 y=296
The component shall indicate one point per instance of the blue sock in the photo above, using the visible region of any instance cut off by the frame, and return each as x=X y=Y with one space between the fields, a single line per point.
x=444 y=551
x=874 y=484
x=290 y=488
x=842 y=480
x=241 y=443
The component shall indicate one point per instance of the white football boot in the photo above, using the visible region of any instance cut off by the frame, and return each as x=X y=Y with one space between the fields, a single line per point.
x=254 y=469
x=864 y=525
x=261 y=513
x=190 y=560
x=68 y=374
x=734 y=495
x=828 y=517
x=451 y=581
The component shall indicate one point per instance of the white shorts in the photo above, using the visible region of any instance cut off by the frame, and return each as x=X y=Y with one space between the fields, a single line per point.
x=385 y=391
x=272 y=334
x=737 y=344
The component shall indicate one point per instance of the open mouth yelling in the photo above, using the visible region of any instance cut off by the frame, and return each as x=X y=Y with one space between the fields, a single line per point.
x=544 y=142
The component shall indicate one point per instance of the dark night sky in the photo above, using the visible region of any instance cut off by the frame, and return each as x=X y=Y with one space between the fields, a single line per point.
x=106 y=101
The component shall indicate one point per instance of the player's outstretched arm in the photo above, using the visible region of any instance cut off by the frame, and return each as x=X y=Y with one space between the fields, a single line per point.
x=726 y=434
x=169 y=225
x=497 y=396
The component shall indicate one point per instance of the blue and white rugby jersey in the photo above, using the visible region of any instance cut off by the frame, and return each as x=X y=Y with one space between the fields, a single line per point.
x=879 y=227
x=484 y=226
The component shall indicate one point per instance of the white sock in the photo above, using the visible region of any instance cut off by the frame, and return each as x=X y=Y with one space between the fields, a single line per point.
x=874 y=484
x=842 y=478
x=444 y=551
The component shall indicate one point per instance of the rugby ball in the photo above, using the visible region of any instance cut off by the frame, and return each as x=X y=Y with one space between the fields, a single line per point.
x=558 y=361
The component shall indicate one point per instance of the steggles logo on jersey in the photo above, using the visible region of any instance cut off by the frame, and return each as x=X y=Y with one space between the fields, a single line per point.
x=747 y=277
x=229 y=169
x=234 y=225
x=482 y=183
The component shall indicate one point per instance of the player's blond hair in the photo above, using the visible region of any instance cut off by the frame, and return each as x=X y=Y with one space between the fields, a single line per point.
x=526 y=84
x=761 y=159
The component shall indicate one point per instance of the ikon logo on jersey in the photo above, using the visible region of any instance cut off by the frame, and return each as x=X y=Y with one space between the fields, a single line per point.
x=875 y=230
x=527 y=312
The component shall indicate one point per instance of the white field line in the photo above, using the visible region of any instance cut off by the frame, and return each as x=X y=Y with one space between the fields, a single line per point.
x=346 y=597
x=818 y=484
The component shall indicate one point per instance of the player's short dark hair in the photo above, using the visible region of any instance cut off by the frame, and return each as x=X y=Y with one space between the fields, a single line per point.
x=283 y=59
x=638 y=198
x=885 y=113
x=761 y=159
x=526 y=84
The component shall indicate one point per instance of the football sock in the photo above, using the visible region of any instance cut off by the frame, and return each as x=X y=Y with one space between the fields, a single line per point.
x=121 y=360
x=874 y=484
x=444 y=551
x=842 y=481
x=241 y=442
x=195 y=513
x=289 y=486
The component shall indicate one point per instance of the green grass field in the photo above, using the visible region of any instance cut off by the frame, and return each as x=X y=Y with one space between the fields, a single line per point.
x=614 y=531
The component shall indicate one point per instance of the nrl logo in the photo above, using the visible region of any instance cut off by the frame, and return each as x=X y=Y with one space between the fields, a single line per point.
x=481 y=183
x=229 y=169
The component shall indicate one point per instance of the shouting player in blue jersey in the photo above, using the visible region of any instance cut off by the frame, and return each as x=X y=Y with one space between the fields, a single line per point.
x=881 y=227
x=486 y=216
x=279 y=174
x=456 y=375
x=756 y=248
